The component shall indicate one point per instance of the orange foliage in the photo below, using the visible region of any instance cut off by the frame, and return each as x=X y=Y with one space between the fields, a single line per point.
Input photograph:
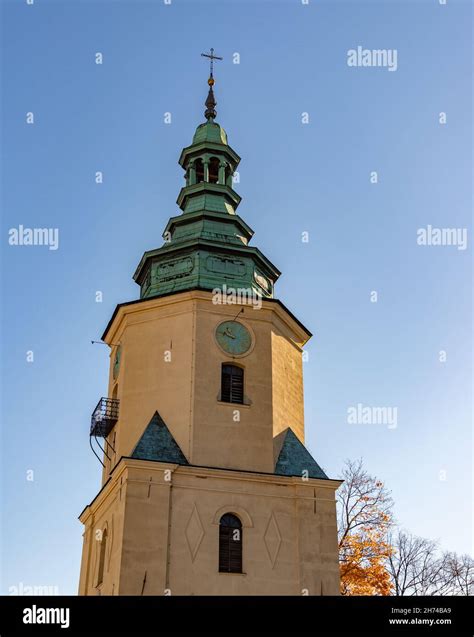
x=363 y=570
x=364 y=519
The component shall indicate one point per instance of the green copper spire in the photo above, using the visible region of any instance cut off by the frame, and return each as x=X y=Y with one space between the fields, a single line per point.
x=206 y=246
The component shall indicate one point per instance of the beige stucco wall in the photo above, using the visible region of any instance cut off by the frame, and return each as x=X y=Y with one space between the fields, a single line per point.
x=230 y=435
x=287 y=383
x=171 y=363
x=107 y=512
x=149 y=334
x=167 y=542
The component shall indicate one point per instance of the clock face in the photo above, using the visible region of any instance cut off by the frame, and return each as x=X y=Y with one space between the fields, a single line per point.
x=233 y=337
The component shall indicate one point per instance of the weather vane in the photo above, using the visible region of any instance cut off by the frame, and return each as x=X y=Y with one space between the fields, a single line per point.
x=212 y=57
x=210 y=112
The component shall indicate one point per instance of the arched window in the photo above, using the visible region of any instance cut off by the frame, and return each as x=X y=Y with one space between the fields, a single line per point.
x=232 y=384
x=199 y=170
x=214 y=170
x=230 y=544
x=103 y=546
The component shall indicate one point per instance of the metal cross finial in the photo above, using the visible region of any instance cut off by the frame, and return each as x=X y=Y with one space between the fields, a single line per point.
x=212 y=57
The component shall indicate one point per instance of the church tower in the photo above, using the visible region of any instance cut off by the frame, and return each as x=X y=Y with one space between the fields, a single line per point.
x=207 y=487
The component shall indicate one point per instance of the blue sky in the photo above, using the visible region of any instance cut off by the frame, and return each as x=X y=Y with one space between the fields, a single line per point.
x=294 y=178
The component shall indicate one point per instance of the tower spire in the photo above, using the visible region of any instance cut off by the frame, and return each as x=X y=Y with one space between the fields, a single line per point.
x=210 y=112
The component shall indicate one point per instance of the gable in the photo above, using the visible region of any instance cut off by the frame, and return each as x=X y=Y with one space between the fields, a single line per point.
x=157 y=443
x=293 y=458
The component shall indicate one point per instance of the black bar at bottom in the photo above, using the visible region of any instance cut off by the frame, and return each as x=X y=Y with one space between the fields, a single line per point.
x=346 y=615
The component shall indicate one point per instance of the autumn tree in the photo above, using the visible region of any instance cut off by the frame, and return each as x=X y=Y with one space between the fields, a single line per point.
x=461 y=570
x=417 y=568
x=364 y=520
x=412 y=564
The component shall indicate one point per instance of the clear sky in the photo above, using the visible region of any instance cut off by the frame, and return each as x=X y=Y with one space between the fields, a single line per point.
x=294 y=178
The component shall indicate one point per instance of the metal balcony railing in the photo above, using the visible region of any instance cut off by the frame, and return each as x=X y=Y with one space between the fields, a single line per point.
x=104 y=417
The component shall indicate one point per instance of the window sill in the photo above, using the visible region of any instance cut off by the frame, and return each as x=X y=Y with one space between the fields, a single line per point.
x=234 y=405
x=228 y=573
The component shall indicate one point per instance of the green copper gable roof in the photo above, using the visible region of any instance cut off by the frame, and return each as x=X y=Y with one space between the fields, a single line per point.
x=294 y=458
x=157 y=443
x=210 y=132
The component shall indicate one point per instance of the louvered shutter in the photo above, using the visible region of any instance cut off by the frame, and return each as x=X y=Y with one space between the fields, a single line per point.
x=232 y=384
x=230 y=544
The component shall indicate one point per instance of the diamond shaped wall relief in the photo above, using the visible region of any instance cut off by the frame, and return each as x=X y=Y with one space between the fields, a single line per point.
x=272 y=539
x=194 y=533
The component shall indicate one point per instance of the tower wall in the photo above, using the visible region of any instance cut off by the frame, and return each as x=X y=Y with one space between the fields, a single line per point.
x=156 y=369
x=165 y=533
x=107 y=512
x=287 y=382
x=236 y=436
x=171 y=363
